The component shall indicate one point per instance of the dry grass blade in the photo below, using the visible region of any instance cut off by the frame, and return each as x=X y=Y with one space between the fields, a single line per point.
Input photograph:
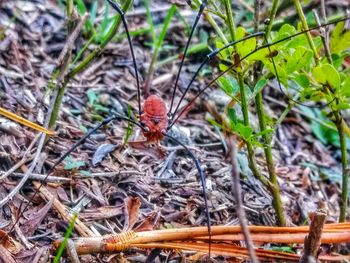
x=24 y=121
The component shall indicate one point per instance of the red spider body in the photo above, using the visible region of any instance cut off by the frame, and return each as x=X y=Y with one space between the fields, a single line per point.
x=154 y=117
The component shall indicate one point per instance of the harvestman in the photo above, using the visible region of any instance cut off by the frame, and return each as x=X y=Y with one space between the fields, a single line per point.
x=155 y=121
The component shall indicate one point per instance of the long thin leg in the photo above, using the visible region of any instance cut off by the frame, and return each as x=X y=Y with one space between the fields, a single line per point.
x=79 y=142
x=202 y=178
x=199 y=14
x=122 y=16
x=206 y=59
x=268 y=45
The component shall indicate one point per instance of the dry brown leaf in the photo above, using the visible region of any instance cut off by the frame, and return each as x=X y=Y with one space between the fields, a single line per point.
x=132 y=205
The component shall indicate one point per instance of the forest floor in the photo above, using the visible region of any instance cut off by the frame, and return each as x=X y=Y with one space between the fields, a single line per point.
x=106 y=174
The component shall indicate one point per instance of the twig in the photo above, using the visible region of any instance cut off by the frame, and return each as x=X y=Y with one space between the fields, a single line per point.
x=4 y=174
x=25 y=159
x=73 y=255
x=333 y=233
x=313 y=239
x=81 y=228
x=236 y=190
x=27 y=174
x=35 y=176
x=10 y=74
x=23 y=239
x=324 y=37
x=6 y=256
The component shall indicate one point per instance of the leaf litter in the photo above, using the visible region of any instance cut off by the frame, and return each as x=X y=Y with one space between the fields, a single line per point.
x=138 y=195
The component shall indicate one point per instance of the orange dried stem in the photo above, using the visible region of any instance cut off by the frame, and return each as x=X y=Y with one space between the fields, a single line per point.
x=25 y=122
x=333 y=233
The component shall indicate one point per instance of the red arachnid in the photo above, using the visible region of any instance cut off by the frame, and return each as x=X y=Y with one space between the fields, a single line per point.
x=154 y=118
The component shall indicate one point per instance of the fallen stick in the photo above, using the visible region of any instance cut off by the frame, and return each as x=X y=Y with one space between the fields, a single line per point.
x=314 y=238
x=119 y=242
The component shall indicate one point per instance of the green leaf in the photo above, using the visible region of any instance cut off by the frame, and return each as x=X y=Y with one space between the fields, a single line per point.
x=302 y=80
x=75 y=111
x=259 y=86
x=345 y=87
x=264 y=132
x=244 y=131
x=100 y=108
x=70 y=163
x=286 y=29
x=342 y=106
x=302 y=57
x=340 y=39
x=228 y=84
x=214 y=123
x=337 y=60
x=129 y=128
x=104 y=23
x=150 y=21
x=83 y=128
x=326 y=74
x=283 y=249
x=262 y=54
x=318 y=131
x=89 y=27
x=92 y=97
x=232 y=115
x=165 y=26
x=283 y=77
x=225 y=53
x=247 y=46
x=65 y=240
x=81 y=7
x=93 y=11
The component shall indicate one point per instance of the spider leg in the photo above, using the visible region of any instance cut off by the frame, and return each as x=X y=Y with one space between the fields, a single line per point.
x=122 y=15
x=202 y=179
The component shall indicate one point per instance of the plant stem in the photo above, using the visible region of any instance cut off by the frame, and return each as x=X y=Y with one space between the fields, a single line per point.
x=230 y=23
x=244 y=105
x=344 y=161
x=235 y=173
x=83 y=65
x=216 y=27
x=273 y=12
x=306 y=27
x=251 y=154
x=339 y=123
x=110 y=34
x=69 y=8
x=291 y=104
x=58 y=74
x=267 y=138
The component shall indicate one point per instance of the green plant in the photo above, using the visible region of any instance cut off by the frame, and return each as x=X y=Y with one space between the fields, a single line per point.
x=301 y=67
x=242 y=127
x=105 y=39
x=65 y=240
